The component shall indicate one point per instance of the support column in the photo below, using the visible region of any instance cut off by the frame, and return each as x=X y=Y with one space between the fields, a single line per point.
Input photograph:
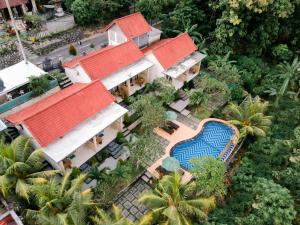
x=128 y=87
x=148 y=76
x=2 y=14
x=24 y=9
x=121 y=124
x=95 y=143
x=34 y=7
x=61 y=166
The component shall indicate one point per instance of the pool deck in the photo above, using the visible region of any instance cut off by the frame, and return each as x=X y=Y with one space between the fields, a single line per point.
x=183 y=133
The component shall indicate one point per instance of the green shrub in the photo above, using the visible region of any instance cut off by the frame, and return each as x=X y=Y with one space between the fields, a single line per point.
x=120 y=139
x=92 y=45
x=126 y=101
x=252 y=69
x=176 y=95
x=282 y=52
x=34 y=21
x=237 y=92
x=126 y=118
x=72 y=50
x=38 y=85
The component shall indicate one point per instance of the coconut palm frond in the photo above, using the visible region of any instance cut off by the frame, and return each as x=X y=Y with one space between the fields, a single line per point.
x=44 y=174
x=147 y=219
x=35 y=159
x=23 y=189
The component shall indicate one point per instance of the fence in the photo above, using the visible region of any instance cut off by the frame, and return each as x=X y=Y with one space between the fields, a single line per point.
x=22 y=99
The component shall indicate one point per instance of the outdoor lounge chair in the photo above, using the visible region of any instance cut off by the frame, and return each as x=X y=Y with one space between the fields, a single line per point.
x=168 y=130
x=173 y=125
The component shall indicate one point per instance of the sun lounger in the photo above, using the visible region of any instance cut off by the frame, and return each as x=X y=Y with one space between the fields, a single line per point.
x=168 y=130
x=173 y=125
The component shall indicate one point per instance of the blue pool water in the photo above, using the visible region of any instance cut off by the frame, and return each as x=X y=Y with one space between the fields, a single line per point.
x=209 y=142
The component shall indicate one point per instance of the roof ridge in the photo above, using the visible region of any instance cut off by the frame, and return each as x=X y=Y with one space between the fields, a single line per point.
x=169 y=40
x=132 y=14
x=84 y=86
x=110 y=47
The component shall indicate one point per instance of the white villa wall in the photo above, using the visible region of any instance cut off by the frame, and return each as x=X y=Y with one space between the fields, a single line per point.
x=154 y=38
x=115 y=35
x=77 y=74
x=57 y=166
x=177 y=84
x=156 y=70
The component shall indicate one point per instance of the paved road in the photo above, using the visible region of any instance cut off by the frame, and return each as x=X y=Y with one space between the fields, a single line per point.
x=63 y=52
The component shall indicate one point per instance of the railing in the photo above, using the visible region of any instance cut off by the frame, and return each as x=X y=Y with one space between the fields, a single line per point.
x=22 y=99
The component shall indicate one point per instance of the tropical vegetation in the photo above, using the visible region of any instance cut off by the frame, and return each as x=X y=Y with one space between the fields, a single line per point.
x=21 y=168
x=61 y=202
x=250 y=116
x=172 y=202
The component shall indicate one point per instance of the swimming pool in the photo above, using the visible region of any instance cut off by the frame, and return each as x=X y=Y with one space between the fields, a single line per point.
x=211 y=141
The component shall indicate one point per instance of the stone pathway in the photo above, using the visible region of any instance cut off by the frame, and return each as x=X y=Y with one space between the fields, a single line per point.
x=128 y=201
x=191 y=122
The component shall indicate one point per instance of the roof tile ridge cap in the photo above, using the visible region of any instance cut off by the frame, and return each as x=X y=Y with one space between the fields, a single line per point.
x=168 y=40
x=129 y=15
x=85 y=85
x=114 y=21
x=108 y=48
x=97 y=52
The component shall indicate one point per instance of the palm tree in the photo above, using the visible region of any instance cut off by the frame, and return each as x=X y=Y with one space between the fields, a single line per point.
x=116 y=218
x=250 y=117
x=61 y=202
x=288 y=73
x=21 y=168
x=173 y=203
x=197 y=97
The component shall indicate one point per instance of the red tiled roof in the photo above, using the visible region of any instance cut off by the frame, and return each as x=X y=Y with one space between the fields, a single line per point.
x=8 y=220
x=173 y=50
x=12 y=3
x=53 y=117
x=132 y=25
x=104 y=62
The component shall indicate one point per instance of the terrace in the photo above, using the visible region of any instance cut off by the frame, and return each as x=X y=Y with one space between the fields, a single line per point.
x=93 y=146
x=128 y=81
x=184 y=71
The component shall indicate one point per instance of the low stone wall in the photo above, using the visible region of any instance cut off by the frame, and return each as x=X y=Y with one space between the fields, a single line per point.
x=60 y=24
x=9 y=59
x=55 y=41
x=8 y=47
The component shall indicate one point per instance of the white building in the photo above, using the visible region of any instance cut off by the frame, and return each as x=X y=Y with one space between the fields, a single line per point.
x=176 y=59
x=72 y=125
x=14 y=92
x=132 y=27
x=122 y=69
x=15 y=77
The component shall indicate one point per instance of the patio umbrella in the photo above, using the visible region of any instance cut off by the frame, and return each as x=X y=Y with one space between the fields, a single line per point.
x=170 y=164
x=171 y=115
